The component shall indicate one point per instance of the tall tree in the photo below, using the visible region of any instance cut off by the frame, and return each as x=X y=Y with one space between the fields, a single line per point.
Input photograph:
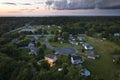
x=65 y=35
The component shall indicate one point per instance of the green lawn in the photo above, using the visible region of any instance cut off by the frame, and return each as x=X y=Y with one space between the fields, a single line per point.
x=29 y=37
x=42 y=39
x=103 y=67
x=58 y=45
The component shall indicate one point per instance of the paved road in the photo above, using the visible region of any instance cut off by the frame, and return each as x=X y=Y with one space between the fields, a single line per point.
x=47 y=43
x=41 y=35
x=63 y=51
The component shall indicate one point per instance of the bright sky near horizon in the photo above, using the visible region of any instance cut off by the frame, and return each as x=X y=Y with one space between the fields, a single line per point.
x=59 y=7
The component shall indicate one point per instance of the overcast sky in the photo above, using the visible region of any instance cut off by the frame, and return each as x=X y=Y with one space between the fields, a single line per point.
x=59 y=7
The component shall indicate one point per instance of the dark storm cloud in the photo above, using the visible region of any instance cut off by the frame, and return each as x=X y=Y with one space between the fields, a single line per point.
x=83 y=4
x=49 y=2
x=9 y=3
x=60 y=5
x=109 y=4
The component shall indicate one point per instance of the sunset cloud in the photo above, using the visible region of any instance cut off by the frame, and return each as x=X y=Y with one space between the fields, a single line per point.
x=9 y=3
x=26 y=4
x=71 y=7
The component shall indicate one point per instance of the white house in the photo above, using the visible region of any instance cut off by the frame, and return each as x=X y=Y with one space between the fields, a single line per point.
x=81 y=38
x=60 y=38
x=60 y=69
x=87 y=46
x=73 y=42
x=116 y=34
x=76 y=59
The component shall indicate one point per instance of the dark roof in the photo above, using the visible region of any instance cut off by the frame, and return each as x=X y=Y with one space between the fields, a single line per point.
x=50 y=56
x=88 y=45
x=77 y=57
x=93 y=54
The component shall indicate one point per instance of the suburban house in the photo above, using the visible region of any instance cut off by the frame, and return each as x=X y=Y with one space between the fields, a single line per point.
x=87 y=46
x=70 y=36
x=34 y=40
x=115 y=58
x=76 y=59
x=32 y=48
x=36 y=37
x=60 y=35
x=92 y=55
x=116 y=34
x=81 y=38
x=30 y=45
x=85 y=72
x=73 y=42
x=81 y=42
x=51 y=59
x=38 y=62
x=60 y=69
x=60 y=38
x=33 y=51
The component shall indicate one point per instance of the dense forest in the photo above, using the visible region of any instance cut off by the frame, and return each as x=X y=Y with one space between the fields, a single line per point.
x=15 y=65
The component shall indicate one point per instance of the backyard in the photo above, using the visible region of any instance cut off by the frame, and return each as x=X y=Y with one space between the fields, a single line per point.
x=103 y=67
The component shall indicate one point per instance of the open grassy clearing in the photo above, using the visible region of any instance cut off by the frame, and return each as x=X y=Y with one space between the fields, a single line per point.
x=42 y=39
x=29 y=37
x=103 y=67
x=58 y=45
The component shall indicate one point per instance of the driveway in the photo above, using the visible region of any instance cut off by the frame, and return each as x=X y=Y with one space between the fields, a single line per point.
x=66 y=51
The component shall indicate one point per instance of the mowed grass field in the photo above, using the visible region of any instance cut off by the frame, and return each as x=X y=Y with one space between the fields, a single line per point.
x=58 y=45
x=103 y=67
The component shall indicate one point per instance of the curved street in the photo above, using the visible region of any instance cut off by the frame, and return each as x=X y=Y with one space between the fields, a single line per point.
x=63 y=51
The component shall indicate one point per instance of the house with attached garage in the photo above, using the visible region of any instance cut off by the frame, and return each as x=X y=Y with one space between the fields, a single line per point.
x=73 y=42
x=92 y=55
x=76 y=59
x=87 y=46
x=81 y=38
x=32 y=48
x=51 y=59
